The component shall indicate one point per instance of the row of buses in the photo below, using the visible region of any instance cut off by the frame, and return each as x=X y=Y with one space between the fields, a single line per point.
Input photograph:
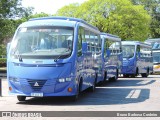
x=61 y=56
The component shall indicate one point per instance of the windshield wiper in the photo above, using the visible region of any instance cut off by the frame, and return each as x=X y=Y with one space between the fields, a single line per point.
x=20 y=58
x=56 y=59
x=18 y=55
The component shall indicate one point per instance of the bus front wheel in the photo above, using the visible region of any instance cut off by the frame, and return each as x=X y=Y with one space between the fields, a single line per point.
x=21 y=98
x=75 y=97
x=114 y=79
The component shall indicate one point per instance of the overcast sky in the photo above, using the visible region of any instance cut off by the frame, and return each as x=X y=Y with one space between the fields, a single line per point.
x=48 y=6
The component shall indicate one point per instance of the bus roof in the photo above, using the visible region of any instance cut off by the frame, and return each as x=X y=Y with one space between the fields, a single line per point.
x=135 y=43
x=153 y=40
x=66 y=19
x=110 y=36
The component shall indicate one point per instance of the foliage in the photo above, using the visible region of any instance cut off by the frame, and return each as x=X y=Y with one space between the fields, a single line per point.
x=13 y=9
x=118 y=17
x=69 y=10
x=3 y=62
x=10 y=10
x=153 y=8
x=2 y=50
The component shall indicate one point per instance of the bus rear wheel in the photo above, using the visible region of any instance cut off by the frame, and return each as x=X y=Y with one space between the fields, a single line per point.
x=21 y=98
x=93 y=87
x=114 y=79
x=125 y=75
x=145 y=74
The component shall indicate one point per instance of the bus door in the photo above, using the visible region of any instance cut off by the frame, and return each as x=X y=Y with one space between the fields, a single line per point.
x=98 y=64
x=109 y=58
x=85 y=72
x=139 y=59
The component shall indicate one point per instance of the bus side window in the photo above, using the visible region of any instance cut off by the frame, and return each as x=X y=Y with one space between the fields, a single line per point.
x=105 y=49
x=138 y=51
x=80 y=35
x=92 y=40
x=97 y=44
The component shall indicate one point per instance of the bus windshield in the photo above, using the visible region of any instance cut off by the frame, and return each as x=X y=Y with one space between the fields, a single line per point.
x=128 y=51
x=156 y=57
x=43 y=42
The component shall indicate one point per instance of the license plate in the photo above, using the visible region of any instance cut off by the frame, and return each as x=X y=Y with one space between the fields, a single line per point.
x=37 y=94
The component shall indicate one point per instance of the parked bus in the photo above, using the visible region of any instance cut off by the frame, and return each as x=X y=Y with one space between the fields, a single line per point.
x=112 y=56
x=156 y=53
x=137 y=59
x=94 y=48
x=49 y=57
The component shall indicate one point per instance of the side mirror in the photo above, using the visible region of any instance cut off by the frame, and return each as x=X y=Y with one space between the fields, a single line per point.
x=108 y=52
x=8 y=46
x=84 y=47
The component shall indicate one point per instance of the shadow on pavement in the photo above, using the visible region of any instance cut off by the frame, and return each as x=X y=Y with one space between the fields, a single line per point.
x=102 y=96
x=130 y=82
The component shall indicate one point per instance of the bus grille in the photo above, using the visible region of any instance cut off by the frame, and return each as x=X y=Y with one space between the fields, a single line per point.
x=37 y=84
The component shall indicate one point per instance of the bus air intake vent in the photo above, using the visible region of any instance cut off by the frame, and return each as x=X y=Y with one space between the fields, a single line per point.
x=37 y=84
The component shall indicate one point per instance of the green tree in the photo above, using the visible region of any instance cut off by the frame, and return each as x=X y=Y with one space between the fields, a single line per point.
x=42 y=14
x=10 y=10
x=13 y=9
x=153 y=8
x=118 y=17
x=68 y=11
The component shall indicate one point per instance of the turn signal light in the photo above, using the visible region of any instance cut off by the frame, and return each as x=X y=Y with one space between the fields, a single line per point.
x=69 y=89
x=10 y=88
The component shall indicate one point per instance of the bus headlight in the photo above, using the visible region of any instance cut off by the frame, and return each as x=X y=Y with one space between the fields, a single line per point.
x=68 y=79
x=65 y=79
x=62 y=80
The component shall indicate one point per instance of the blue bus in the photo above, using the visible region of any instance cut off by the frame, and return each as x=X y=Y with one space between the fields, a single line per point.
x=155 y=42
x=137 y=59
x=112 y=56
x=49 y=57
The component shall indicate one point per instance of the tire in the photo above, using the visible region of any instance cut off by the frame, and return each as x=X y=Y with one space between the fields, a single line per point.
x=21 y=98
x=133 y=76
x=125 y=76
x=114 y=79
x=136 y=74
x=105 y=77
x=75 y=97
x=93 y=87
x=145 y=74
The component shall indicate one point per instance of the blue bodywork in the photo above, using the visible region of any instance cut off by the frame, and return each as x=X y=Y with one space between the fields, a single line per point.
x=112 y=62
x=48 y=76
x=137 y=63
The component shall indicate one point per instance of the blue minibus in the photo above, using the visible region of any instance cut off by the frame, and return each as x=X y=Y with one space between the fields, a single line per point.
x=49 y=56
x=155 y=42
x=112 y=56
x=137 y=59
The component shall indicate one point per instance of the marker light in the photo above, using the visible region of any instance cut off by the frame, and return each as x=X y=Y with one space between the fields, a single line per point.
x=62 y=80
x=10 y=88
x=69 y=89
